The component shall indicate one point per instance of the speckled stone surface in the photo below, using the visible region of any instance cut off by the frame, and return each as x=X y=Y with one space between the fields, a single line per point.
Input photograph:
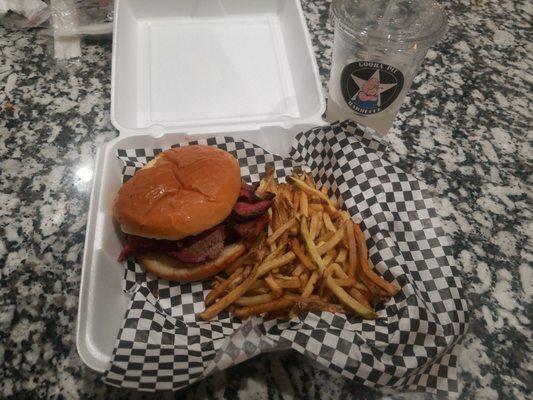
x=465 y=129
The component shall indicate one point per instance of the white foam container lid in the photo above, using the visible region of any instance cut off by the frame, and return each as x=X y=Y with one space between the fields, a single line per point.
x=182 y=70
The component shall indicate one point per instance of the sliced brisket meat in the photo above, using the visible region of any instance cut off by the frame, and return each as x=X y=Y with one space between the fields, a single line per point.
x=138 y=244
x=191 y=249
x=206 y=246
x=127 y=251
x=253 y=228
x=244 y=211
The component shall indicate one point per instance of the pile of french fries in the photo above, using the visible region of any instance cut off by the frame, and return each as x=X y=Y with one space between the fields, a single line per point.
x=313 y=258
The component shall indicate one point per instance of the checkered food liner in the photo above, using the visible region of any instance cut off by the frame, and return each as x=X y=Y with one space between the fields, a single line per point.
x=163 y=344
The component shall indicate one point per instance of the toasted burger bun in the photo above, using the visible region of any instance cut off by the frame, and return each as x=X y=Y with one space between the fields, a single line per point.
x=183 y=192
x=167 y=267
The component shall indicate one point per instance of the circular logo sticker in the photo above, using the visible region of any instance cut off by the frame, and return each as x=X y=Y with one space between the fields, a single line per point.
x=370 y=87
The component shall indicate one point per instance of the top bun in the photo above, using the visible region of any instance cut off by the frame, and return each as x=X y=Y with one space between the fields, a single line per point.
x=183 y=192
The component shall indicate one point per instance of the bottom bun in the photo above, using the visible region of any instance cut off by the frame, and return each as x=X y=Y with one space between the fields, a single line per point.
x=167 y=267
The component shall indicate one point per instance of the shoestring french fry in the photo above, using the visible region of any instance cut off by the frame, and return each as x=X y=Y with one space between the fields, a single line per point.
x=273 y=285
x=275 y=263
x=276 y=253
x=304 y=204
x=238 y=263
x=296 y=200
x=327 y=222
x=310 y=285
x=298 y=270
x=315 y=208
x=219 y=290
x=350 y=282
x=258 y=291
x=357 y=295
x=311 y=247
x=365 y=267
x=304 y=278
x=329 y=271
x=328 y=258
x=341 y=256
x=325 y=237
x=332 y=242
x=352 y=250
x=292 y=283
x=296 y=248
x=280 y=304
x=317 y=304
x=281 y=230
x=255 y=300
x=313 y=228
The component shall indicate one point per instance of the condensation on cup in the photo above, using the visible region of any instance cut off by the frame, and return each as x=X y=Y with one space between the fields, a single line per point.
x=377 y=48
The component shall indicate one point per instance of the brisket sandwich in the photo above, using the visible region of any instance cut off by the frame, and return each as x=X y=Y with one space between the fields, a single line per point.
x=187 y=215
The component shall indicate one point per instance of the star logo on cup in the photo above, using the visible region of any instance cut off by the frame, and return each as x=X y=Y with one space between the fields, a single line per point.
x=370 y=87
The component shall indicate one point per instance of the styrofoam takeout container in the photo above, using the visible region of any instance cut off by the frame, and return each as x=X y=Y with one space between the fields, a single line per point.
x=183 y=69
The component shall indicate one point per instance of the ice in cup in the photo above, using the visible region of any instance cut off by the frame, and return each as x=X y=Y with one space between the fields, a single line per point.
x=377 y=48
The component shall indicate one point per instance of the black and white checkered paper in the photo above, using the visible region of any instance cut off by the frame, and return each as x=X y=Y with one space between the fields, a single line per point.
x=410 y=346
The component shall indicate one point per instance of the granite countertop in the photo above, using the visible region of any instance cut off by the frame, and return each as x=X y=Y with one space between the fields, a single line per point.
x=465 y=129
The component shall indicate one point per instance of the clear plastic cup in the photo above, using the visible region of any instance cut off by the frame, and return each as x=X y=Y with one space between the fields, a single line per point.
x=377 y=48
